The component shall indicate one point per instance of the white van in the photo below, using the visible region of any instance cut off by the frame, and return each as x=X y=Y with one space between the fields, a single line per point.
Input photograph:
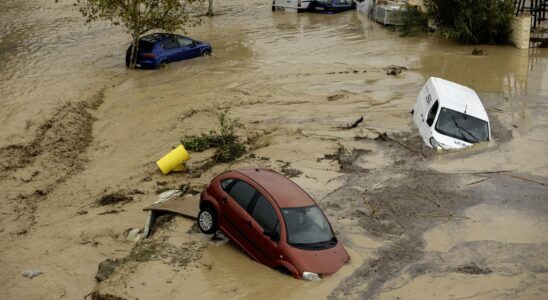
x=450 y=116
x=290 y=5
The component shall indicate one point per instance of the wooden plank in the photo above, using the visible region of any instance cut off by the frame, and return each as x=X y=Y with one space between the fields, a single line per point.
x=187 y=206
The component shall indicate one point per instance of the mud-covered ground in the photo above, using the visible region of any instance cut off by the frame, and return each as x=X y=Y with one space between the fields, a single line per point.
x=80 y=135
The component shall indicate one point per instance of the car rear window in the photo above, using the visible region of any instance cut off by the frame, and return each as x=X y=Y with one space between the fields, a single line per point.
x=145 y=46
x=243 y=193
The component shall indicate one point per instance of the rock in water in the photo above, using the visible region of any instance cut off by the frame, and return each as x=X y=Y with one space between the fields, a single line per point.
x=32 y=273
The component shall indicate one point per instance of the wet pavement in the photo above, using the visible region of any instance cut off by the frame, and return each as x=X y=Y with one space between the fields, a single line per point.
x=410 y=222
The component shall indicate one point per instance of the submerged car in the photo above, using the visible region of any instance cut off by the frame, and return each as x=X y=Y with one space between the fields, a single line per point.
x=273 y=220
x=290 y=5
x=331 y=6
x=385 y=12
x=450 y=116
x=158 y=49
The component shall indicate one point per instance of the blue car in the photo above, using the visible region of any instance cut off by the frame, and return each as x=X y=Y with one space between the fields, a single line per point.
x=331 y=6
x=158 y=49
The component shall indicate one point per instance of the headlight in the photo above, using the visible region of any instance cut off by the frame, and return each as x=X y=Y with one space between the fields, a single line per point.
x=311 y=276
x=434 y=143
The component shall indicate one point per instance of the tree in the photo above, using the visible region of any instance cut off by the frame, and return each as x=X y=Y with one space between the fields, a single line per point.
x=473 y=21
x=140 y=16
x=210 y=8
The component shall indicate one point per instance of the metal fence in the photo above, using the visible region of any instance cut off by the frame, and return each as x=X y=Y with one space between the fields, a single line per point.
x=536 y=8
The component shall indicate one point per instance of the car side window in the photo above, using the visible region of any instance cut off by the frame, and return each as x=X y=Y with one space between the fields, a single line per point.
x=243 y=193
x=225 y=183
x=171 y=44
x=184 y=42
x=264 y=214
x=432 y=114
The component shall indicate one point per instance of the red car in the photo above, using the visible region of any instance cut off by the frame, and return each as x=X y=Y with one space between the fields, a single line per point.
x=273 y=220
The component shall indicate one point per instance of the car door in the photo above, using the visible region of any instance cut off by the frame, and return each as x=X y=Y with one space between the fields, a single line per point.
x=264 y=229
x=236 y=218
x=188 y=48
x=171 y=49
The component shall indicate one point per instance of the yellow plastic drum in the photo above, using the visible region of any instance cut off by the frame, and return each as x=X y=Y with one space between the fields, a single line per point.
x=174 y=160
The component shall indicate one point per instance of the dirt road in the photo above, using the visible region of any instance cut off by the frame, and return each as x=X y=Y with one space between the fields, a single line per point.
x=76 y=126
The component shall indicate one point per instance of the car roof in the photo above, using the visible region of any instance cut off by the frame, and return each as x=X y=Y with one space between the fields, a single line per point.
x=157 y=37
x=458 y=97
x=284 y=192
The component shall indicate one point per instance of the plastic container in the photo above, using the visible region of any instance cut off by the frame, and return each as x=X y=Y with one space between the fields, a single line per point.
x=174 y=160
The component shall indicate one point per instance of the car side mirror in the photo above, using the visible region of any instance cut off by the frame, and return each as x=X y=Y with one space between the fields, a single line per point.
x=274 y=235
x=194 y=44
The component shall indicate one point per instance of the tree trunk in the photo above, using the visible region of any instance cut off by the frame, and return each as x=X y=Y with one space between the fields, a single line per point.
x=210 y=8
x=134 y=51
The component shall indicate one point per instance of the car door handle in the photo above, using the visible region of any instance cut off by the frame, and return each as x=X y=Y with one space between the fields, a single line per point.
x=248 y=223
x=224 y=199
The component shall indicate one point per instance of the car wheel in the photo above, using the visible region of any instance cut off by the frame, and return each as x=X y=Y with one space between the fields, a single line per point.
x=207 y=220
x=206 y=53
x=162 y=65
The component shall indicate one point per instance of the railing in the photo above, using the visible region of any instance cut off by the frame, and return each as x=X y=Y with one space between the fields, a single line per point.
x=537 y=9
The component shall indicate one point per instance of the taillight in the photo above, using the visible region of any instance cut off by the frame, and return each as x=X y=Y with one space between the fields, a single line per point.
x=149 y=55
x=299 y=3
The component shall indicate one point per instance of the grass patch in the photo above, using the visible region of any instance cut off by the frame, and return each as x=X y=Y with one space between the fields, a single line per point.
x=229 y=146
x=413 y=20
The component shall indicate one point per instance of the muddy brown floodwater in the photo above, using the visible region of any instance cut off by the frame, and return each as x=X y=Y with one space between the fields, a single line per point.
x=418 y=224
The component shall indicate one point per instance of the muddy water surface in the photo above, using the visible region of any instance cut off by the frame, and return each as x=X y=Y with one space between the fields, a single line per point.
x=294 y=80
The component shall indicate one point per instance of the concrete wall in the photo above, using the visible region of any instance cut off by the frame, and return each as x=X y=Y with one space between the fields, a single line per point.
x=521 y=31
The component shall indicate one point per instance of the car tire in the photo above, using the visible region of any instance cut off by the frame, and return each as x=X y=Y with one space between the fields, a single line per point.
x=206 y=52
x=162 y=65
x=207 y=220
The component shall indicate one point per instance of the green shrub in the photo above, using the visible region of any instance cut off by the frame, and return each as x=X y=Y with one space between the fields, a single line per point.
x=228 y=144
x=413 y=21
x=473 y=21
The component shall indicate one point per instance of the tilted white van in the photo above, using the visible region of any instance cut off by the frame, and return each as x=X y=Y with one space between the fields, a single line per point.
x=290 y=5
x=450 y=116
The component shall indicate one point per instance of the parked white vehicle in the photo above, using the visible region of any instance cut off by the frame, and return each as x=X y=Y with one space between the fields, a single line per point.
x=290 y=5
x=383 y=11
x=450 y=116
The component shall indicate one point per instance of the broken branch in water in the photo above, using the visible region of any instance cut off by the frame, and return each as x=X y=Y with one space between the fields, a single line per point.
x=526 y=179
x=386 y=137
x=351 y=126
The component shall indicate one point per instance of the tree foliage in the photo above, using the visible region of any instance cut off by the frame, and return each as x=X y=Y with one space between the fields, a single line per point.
x=473 y=21
x=138 y=17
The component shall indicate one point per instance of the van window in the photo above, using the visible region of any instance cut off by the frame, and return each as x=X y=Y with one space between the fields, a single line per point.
x=463 y=127
x=432 y=114
x=243 y=193
x=265 y=214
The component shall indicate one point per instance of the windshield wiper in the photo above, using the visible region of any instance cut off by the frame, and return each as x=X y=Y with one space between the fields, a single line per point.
x=461 y=129
x=317 y=245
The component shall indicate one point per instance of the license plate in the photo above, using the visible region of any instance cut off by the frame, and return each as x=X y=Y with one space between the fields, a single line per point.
x=138 y=65
x=319 y=8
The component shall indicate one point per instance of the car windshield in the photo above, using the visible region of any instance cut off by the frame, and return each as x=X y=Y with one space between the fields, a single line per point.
x=308 y=228
x=462 y=126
